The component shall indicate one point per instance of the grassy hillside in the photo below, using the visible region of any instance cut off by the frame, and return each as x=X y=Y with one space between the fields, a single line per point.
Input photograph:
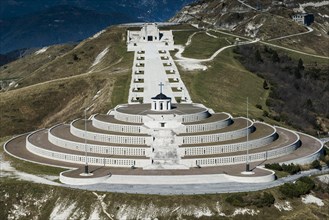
x=24 y=200
x=204 y=44
x=226 y=84
x=271 y=20
x=70 y=61
x=46 y=104
x=56 y=90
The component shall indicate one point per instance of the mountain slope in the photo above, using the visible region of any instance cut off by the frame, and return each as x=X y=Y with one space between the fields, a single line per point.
x=261 y=19
x=56 y=84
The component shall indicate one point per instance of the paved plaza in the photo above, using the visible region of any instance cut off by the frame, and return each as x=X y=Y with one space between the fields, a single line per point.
x=153 y=65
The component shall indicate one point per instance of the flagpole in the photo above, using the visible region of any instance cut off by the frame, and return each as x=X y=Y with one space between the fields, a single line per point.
x=247 y=161
x=86 y=157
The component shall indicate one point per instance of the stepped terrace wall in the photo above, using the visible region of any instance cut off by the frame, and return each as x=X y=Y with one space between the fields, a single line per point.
x=96 y=148
x=109 y=138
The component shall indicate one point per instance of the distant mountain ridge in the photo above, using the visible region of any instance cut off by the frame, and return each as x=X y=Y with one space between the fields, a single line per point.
x=264 y=19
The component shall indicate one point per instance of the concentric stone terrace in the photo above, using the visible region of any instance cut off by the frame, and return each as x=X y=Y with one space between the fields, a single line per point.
x=183 y=138
x=161 y=141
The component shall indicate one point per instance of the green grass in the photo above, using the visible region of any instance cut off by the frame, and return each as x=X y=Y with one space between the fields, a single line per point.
x=166 y=207
x=306 y=58
x=225 y=86
x=33 y=168
x=281 y=174
x=121 y=88
x=203 y=46
x=180 y=37
x=28 y=167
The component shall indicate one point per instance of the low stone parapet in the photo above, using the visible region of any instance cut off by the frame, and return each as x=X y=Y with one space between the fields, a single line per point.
x=198 y=138
x=233 y=147
x=96 y=148
x=109 y=138
x=117 y=127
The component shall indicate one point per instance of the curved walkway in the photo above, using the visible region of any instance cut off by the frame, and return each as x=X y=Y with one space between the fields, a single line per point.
x=190 y=189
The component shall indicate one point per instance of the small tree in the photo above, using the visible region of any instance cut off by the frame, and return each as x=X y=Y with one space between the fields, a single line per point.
x=265 y=85
x=275 y=57
x=258 y=57
x=300 y=65
x=309 y=104
x=316 y=164
x=265 y=113
x=297 y=73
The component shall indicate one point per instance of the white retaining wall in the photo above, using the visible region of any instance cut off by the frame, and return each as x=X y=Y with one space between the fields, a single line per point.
x=195 y=117
x=217 y=161
x=227 y=148
x=309 y=158
x=81 y=181
x=118 y=127
x=208 y=126
x=80 y=159
x=216 y=137
x=127 y=117
x=109 y=138
x=94 y=148
x=253 y=179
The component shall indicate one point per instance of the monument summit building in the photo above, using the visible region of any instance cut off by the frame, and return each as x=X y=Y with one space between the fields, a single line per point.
x=160 y=136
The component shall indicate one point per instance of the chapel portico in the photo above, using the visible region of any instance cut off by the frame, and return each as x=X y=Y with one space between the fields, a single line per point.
x=161 y=102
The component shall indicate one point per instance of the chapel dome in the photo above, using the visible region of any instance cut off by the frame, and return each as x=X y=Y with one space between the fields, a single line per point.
x=161 y=96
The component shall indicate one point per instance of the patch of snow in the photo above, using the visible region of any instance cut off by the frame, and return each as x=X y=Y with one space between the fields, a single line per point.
x=252 y=29
x=18 y=211
x=48 y=177
x=211 y=35
x=190 y=66
x=95 y=97
x=310 y=4
x=324 y=16
x=228 y=26
x=195 y=25
x=189 y=40
x=61 y=211
x=314 y=4
x=12 y=83
x=100 y=56
x=103 y=204
x=203 y=211
x=95 y=214
x=8 y=170
x=219 y=209
x=245 y=211
x=97 y=34
x=283 y=206
x=324 y=178
x=42 y=50
x=308 y=199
